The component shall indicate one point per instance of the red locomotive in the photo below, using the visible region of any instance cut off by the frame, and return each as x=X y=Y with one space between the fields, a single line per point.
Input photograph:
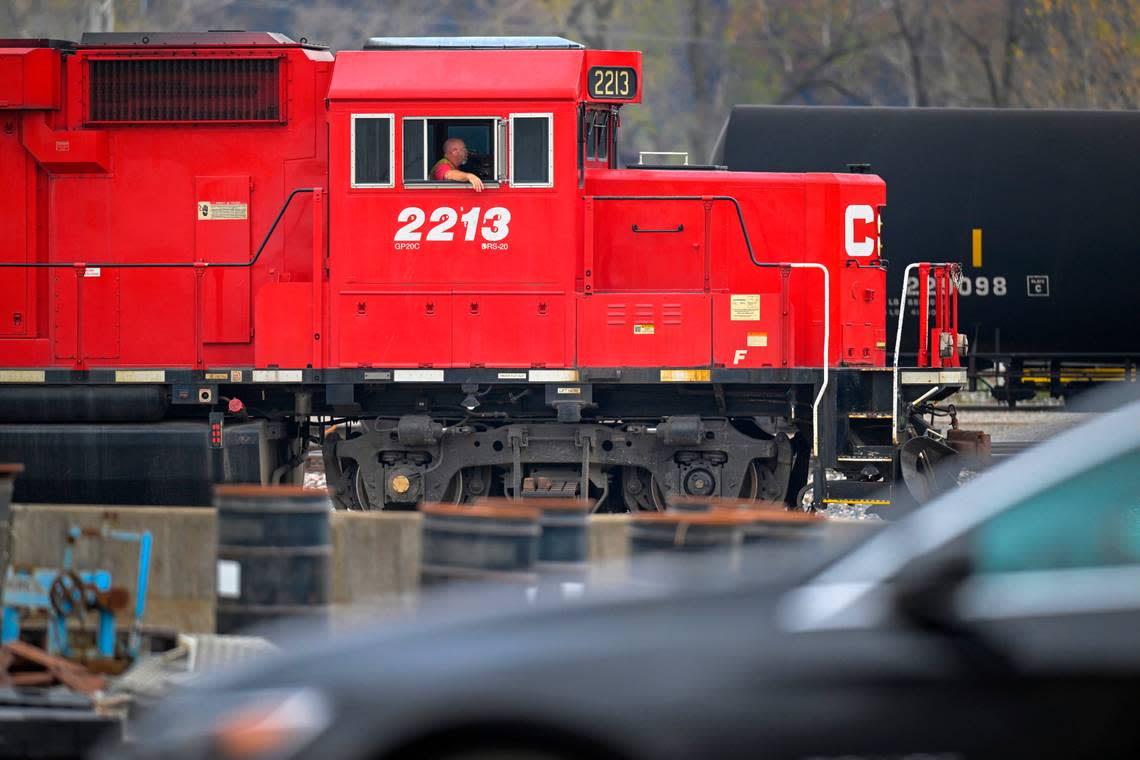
x=235 y=231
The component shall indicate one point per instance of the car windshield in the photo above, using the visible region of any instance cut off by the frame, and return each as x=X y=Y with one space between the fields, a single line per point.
x=1084 y=512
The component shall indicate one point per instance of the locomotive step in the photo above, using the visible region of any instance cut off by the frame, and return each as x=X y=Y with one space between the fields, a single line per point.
x=868 y=454
x=858 y=492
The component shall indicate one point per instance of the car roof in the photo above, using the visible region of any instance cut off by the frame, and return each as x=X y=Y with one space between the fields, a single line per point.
x=1047 y=465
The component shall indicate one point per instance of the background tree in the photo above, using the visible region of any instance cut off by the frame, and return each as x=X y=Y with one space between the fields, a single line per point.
x=702 y=56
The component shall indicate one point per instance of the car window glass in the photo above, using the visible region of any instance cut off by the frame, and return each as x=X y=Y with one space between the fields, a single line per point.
x=1090 y=520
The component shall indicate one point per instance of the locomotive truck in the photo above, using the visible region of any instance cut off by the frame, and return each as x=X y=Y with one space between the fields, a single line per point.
x=219 y=248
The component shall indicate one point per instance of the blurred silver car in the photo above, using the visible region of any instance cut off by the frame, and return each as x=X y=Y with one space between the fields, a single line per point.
x=998 y=621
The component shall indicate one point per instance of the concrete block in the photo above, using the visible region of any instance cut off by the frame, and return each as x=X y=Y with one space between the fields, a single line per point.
x=375 y=556
x=609 y=538
x=182 y=569
x=609 y=548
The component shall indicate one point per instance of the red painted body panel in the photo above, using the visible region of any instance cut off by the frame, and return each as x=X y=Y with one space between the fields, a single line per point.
x=644 y=329
x=29 y=78
x=129 y=194
x=789 y=218
x=558 y=276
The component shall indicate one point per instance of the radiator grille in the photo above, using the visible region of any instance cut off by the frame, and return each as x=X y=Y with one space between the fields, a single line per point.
x=179 y=90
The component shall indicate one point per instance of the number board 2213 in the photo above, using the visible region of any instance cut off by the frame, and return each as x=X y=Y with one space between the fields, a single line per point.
x=611 y=82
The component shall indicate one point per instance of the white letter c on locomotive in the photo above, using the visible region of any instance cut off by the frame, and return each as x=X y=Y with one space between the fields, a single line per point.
x=866 y=246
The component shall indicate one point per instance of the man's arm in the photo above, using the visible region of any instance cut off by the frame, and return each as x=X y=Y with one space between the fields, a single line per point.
x=457 y=176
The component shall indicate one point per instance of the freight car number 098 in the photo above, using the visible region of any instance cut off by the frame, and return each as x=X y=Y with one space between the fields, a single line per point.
x=968 y=286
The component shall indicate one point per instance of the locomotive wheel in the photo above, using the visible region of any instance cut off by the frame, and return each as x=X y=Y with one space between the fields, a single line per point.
x=340 y=474
x=751 y=485
x=656 y=494
x=68 y=595
x=453 y=494
x=476 y=483
x=359 y=492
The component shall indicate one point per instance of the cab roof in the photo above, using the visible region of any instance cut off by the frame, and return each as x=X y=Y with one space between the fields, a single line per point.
x=435 y=73
x=472 y=43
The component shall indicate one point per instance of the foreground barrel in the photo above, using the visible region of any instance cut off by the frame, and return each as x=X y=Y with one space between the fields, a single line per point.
x=273 y=554
x=686 y=531
x=8 y=473
x=777 y=540
x=718 y=533
x=483 y=542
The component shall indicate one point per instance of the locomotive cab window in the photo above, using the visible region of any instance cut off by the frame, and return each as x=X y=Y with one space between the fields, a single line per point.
x=424 y=139
x=372 y=158
x=532 y=150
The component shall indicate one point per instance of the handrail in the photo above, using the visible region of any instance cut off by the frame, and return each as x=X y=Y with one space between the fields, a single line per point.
x=165 y=264
x=898 y=337
x=826 y=337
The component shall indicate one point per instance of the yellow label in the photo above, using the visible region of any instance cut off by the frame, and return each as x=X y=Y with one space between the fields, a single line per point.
x=222 y=210
x=235 y=376
x=140 y=376
x=643 y=329
x=745 y=308
x=217 y=375
x=685 y=375
x=757 y=339
x=571 y=391
x=21 y=375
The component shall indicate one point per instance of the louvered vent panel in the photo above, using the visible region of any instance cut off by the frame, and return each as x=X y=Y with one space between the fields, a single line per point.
x=180 y=90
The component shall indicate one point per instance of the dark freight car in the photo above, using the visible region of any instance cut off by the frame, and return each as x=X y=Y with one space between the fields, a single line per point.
x=1039 y=206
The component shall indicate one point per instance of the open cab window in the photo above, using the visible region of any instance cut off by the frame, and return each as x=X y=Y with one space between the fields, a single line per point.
x=372 y=154
x=423 y=147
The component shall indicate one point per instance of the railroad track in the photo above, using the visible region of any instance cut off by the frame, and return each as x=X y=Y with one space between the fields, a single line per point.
x=1002 y=450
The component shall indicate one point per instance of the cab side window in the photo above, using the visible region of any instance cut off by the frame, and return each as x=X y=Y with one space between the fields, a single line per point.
x=372 y=150
x=424 y=137
x=532 y=153
x=1091 y=520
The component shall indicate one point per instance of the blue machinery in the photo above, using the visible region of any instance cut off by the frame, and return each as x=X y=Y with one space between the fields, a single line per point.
x=66 y=594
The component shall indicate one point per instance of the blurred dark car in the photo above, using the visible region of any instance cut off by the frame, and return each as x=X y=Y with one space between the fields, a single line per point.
x=1002 y=620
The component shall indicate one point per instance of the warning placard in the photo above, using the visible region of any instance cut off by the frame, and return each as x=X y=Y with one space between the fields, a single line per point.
x=222 y=210
x=745 y=308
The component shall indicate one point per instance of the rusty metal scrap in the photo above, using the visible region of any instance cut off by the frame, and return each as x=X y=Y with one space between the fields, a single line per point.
x=16 y=656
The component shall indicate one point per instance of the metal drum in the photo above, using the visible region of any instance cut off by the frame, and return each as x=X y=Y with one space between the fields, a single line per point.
x=8 y=473
x=565 y=541
x=776 y=539
x=483 y=542
x=677 y=503
x=273 y=554
x=718 y=533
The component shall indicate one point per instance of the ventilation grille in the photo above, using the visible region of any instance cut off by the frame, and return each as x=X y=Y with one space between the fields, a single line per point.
x=180 y=90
